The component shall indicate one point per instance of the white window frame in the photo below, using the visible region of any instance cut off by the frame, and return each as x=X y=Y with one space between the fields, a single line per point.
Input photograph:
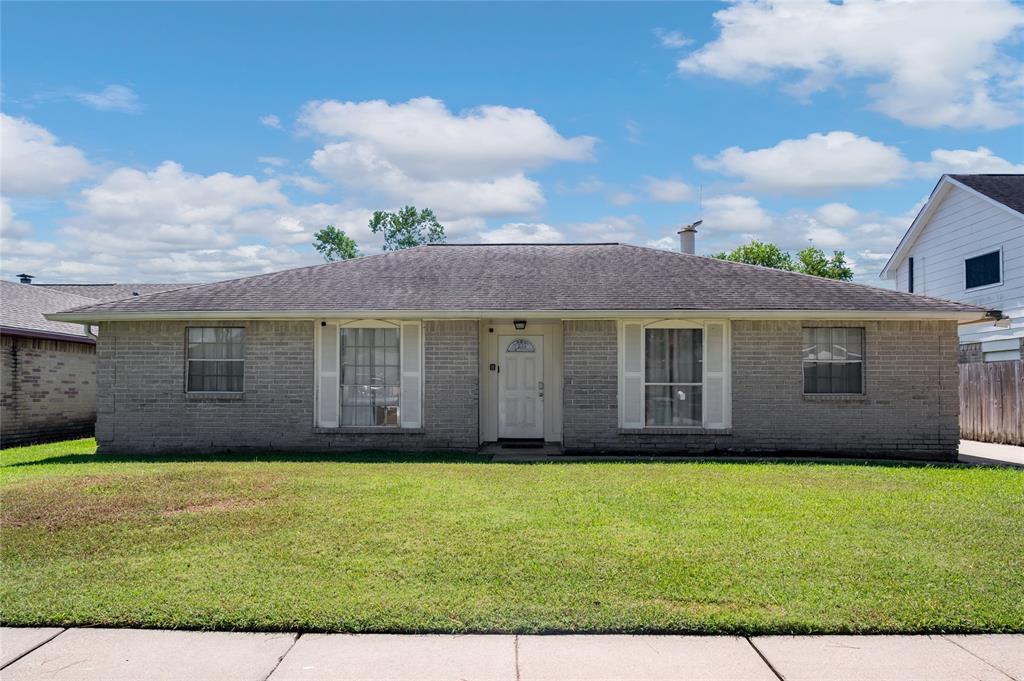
x=643 y=369
x=976 y=254
x=862 y=361
x=189 y=360
x=338 y=325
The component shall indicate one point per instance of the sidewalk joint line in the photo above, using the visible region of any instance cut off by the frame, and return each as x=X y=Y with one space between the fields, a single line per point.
x=515 y=645
x=974 y=654
x=757 y=650
x=283 y=655
x=34 y=648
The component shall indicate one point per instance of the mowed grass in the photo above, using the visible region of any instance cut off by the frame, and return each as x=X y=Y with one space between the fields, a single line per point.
x=378 y=543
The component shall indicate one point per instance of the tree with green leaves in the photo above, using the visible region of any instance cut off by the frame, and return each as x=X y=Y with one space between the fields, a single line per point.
x=811 y=260
x=334 y=244
x=407 y=228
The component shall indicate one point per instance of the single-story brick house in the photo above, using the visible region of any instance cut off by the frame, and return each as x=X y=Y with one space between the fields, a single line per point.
x=592 y=347
x=48 y=376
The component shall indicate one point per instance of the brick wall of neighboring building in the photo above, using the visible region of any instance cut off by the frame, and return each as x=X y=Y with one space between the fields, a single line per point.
x=48 y=390
x=971 y=353
x=143 y=406
x=909 y=409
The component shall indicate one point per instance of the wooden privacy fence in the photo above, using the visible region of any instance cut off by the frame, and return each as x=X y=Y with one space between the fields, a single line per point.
x=992 y=402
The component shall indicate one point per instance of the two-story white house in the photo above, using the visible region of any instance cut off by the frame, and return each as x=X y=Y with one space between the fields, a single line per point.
x=967 y=245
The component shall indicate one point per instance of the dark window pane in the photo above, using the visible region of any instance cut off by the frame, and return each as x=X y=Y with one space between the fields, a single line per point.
x=370 y=377
x=673 y=405
x=833 y=377
x=674 y=356
x=209 y=349
x=982 y=270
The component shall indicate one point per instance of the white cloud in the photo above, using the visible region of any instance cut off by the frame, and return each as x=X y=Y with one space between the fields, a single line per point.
x=470 y=163
x=673 y=40
x=615 y=228
x=836 y=214
x=10 y=227
x=522 y=233
x=32 y=163
x=275 y=161
x=732 y=212
x=926 y=64
x=965 y=161
x=271 y=121
x=622 y=199
x=665 y=243
x=816 y=164
x=668 y=190
x=825 y=237
x=112 y=98
x=633 y=132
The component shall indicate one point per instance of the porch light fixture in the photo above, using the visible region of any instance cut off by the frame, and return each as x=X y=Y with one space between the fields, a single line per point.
x=520 y=324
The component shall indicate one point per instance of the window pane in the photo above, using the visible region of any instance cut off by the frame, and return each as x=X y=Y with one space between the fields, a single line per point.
x=207 y=349
x=673 y=405
x=674 y=356
x=370 y=377
x=833 y=377
x=982 y=270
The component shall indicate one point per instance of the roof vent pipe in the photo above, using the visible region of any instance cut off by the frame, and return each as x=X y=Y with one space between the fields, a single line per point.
x=688 y=238
x=25 y=278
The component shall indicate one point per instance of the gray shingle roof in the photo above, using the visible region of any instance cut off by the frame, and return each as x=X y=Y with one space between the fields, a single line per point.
x=107 y=292
x=567 y=277
x=1006 y=189
x=22 y=307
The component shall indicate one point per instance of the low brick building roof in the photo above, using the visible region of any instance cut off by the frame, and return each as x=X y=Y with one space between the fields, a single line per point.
x=518 y=277
x=22 y=307
x=105 y=293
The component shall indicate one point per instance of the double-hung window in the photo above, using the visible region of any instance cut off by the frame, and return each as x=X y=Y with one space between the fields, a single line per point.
x=370 y=376
x=833 y=360
x=673 y=377
x=215 y=359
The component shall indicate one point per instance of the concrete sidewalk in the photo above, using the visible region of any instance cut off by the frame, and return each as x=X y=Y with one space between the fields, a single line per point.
x=972 y=451
x=139 y=655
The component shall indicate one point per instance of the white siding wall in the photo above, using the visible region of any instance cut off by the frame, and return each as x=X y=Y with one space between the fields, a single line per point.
x=965 y=225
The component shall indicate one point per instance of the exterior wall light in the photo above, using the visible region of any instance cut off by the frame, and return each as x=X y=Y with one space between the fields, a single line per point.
x=520 y=324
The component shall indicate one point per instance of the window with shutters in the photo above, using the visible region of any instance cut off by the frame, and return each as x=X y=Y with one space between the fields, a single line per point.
x=369 y=374
x=674 y=374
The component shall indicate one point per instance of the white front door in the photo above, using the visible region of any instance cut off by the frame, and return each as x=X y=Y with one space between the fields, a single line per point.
x=521 y=386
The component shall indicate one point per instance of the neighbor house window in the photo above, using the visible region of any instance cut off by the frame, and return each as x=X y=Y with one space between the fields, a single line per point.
x=216 y=359
x=833 y=360
x=673 y=377
x=910 y=277
x=982 y=270
x=370 y=376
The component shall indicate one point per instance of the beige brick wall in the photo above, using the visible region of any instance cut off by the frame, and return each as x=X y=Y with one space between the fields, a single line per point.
x=909 y=409
x=48 y=390
x=143 y=406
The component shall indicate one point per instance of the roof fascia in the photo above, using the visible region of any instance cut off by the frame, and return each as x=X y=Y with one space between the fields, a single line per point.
x=187 y=315
x=943 y=188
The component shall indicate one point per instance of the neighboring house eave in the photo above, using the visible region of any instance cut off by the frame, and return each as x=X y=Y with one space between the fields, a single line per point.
x=969 y=314
x=46 y=335
x=942 y=189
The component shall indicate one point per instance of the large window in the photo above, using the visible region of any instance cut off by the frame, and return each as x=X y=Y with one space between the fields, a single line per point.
x=673 y=377
x=370 y=376
x=216 y=359
x=833 y=360
x=982 y=270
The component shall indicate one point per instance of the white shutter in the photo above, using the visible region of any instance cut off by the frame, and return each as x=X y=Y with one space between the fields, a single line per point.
x=632 y=387
x=329 y=381
x=412 y=375
x=717 y=384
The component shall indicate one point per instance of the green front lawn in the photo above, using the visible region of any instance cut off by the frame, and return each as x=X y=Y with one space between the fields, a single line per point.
x=379 y=543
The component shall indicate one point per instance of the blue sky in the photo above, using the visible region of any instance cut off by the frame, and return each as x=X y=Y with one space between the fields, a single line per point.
x=200 y=141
